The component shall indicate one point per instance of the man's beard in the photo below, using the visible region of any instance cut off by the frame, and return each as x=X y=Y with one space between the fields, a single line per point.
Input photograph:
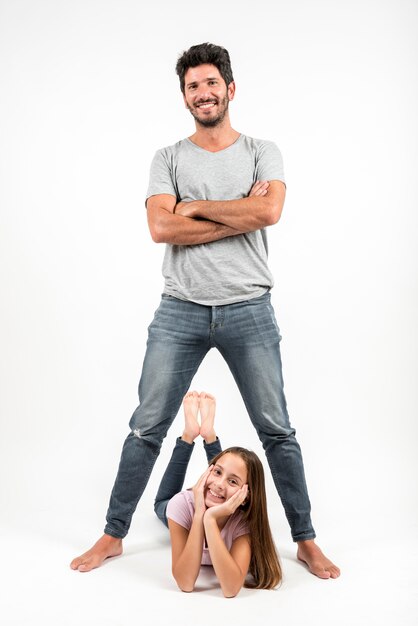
x=214 y=121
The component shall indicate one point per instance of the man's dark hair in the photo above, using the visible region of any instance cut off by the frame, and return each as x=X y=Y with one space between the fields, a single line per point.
x=205 y=53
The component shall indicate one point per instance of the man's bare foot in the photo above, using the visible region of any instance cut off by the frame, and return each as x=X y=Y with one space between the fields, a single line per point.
x=207 y=406
x=312 y=555
x=106 y=547
x=191 y=409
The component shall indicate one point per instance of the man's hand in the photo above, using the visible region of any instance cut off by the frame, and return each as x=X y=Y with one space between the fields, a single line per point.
x=229 y=507
x=184 y=208
x=259 y=188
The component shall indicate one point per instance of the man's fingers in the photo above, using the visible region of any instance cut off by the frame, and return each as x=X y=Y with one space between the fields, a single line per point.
x=259 y=188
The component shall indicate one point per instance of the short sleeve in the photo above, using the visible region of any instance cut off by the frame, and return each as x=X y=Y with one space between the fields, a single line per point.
x=178 y=509
x=161 y=178
x=269 y=162
x=240 y=528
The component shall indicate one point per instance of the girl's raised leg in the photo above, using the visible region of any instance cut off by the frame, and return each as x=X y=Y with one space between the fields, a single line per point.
x=173 y=479
x=211 y=442
x=191 y=410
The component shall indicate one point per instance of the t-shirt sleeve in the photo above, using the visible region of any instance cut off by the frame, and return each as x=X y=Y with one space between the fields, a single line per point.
x=161 y=179
x=179 y=511
x=269 y=162
x=241 y=528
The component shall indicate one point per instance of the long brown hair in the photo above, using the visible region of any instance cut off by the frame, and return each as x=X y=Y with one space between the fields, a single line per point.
x=264 y=565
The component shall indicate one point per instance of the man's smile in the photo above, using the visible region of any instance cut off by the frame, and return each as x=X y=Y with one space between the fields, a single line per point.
x=206 y=105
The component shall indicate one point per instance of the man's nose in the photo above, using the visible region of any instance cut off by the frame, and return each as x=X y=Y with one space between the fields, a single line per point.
x=203 y=93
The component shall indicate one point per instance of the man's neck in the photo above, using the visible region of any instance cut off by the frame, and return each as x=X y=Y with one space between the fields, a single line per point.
x=215 y=139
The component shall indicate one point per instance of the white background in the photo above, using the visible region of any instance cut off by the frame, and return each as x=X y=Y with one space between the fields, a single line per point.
x=88 y=92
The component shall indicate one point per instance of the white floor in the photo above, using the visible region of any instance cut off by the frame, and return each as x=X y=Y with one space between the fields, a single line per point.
x=377 y=587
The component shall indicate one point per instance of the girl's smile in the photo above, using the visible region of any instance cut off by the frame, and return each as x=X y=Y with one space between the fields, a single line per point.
x=226 y=478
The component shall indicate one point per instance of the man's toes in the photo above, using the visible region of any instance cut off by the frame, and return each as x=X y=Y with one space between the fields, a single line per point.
x=84 y=568
x=335 y=571
x=87 y=565
x=329 y=571
x=76 y=562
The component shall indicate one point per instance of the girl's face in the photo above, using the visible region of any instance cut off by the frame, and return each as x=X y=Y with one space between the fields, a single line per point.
x=227 y=476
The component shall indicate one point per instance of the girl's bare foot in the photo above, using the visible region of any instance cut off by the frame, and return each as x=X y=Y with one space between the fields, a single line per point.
x=207 y=406
x=106 y=547
x=315 y=559
x=191 y=409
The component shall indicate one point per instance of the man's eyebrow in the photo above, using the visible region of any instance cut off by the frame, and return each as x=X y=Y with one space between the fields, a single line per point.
x=195 y=82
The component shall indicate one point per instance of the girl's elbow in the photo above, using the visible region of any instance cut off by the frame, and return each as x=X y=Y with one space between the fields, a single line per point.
x=231 y=591
x=184 y=584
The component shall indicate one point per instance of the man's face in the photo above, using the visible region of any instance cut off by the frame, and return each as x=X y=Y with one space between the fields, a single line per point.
x=206 y=94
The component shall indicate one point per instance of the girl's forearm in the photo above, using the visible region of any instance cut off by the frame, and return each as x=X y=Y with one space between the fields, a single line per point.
x=230 y=576
x=187 y=567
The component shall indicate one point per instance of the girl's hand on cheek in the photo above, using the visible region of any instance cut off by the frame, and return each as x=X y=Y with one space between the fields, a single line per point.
x=199 y=492
x=230 y=506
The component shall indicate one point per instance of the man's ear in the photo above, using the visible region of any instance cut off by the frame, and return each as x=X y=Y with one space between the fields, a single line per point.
x=231 y=90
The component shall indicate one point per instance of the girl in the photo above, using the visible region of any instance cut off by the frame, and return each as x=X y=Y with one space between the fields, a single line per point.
x=222 y=521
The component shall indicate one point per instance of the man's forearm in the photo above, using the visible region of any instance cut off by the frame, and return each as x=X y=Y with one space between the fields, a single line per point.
x=261 y=208
x=181 y=230
x=246 y=214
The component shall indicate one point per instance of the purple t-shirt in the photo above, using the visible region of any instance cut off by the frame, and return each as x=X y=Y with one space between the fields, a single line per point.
x=181 y=510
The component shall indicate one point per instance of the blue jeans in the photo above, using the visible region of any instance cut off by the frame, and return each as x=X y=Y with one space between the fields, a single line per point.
x=180 y=335
x=173 y=478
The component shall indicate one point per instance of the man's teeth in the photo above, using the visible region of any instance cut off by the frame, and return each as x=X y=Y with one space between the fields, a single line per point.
x=206 y=105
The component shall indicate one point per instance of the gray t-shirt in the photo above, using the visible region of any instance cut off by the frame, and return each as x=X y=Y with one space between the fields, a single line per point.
x=231 y=269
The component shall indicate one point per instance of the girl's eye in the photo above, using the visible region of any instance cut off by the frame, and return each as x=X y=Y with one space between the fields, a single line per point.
x=233 y=482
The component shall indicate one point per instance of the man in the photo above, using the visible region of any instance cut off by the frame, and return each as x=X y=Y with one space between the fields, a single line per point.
x=216 y=294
